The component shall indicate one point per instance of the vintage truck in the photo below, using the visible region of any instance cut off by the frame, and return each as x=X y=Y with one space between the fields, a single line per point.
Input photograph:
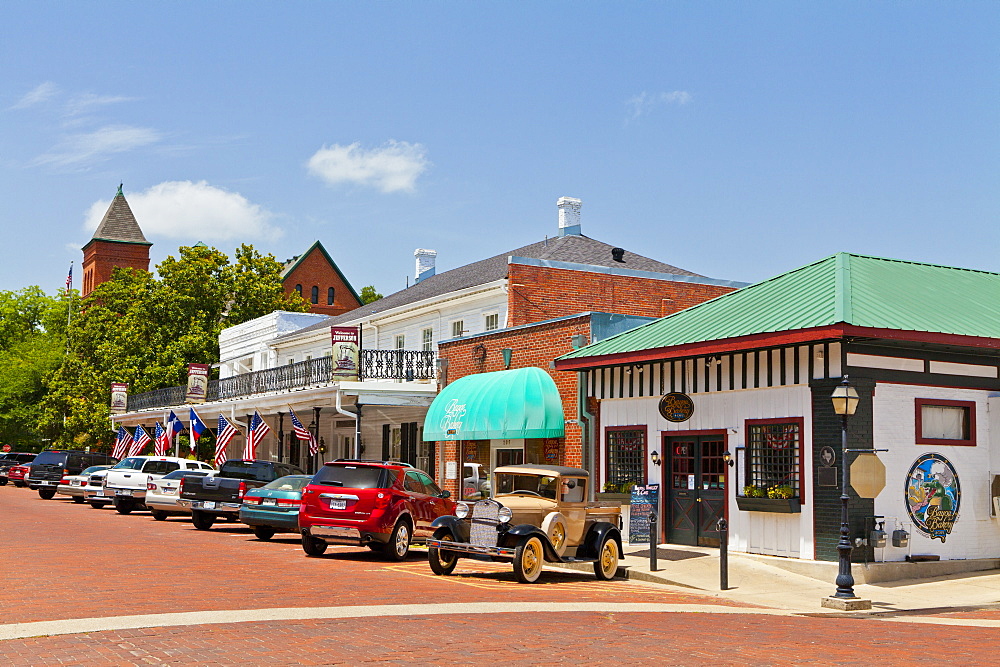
x=127 y=481
x=221 y=495
x=538 y=514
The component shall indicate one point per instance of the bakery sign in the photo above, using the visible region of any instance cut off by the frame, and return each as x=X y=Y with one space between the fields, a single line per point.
x=933 y=495
x=676 y=407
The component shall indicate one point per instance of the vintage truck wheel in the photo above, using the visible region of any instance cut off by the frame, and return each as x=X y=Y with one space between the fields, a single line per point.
x=606 y=565
x=399 y=542
x=554 y=526
x=201 y=520
x=263 y=532
x=442 y=562
x=46 y=494
x=124 y=505
x=312 y=546
x=528 y=559
x=159 y=515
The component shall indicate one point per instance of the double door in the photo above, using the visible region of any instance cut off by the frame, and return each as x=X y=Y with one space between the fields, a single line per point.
x=695 y=488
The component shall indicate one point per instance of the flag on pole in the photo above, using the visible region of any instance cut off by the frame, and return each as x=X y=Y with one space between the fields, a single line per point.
x=162 y=438
x=139 y=441
x=225 y=433
x=258 y=429
x=303 y=434
x=197 y=428
x=69 y=278
x=122 y=441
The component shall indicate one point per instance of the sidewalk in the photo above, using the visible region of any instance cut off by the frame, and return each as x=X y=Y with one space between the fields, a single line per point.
x=770 y=581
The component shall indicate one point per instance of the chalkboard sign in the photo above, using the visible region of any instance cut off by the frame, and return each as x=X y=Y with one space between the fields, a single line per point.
x=644 y=501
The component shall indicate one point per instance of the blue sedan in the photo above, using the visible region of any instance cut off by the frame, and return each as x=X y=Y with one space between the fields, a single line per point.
x=274 y=507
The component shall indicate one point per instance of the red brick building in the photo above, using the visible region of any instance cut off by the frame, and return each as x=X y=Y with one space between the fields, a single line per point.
x=316 y=278
x=118 y=241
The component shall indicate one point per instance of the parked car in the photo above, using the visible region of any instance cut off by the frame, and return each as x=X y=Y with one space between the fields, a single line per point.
x=17 y=473
x=127 y=481
x=12 y=459
x=74 y=485
x=162 y=494
x=274 y=507
x=383 y=505
x=50 y=466
x=95 y=493
x=539 y=514
x=221 y=495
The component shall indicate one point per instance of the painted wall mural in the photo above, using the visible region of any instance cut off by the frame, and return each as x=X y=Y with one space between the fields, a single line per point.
x=933 y=495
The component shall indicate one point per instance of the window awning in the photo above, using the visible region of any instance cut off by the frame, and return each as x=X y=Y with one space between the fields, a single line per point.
x=521 y=403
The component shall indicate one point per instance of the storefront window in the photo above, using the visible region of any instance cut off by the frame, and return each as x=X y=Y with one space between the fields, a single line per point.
x=626 y=459
x=774 y=454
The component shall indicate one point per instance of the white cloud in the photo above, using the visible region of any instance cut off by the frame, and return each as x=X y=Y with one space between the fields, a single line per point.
x=87 y=101
x=41 y=93
x=98 y=145
x=193 y=212
x=390 y=168
x=645 y=103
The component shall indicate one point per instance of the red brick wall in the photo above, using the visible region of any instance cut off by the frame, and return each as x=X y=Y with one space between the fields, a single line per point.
x=101 y=257
x=541 y=293
x=315 y=270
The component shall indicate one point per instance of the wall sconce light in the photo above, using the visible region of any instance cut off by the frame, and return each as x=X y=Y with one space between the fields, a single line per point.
x=728 y=458
x=655 y=456
x=507 y=353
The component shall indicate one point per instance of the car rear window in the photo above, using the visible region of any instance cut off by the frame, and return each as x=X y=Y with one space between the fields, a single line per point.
x=288 y=483
x=351 y=477
x=50 y=458
x=247 y=470
x=92 y=469
x=177 y=474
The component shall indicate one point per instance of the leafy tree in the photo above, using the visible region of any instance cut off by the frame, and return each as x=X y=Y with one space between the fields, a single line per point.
x=368 y=294
x=143 y=330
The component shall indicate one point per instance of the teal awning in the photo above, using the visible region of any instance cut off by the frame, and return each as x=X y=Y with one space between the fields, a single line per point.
x=522 y=403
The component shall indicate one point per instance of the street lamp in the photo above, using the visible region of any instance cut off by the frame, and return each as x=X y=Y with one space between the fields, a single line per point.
x=845 y=402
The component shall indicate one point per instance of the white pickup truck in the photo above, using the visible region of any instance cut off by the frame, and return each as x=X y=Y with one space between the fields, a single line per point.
x=127 y=481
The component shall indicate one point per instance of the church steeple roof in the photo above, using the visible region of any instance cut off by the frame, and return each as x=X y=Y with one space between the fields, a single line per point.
x=118 y=224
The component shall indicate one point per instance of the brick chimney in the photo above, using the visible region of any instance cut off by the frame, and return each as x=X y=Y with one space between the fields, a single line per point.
x=569 y=216
x=425 y=264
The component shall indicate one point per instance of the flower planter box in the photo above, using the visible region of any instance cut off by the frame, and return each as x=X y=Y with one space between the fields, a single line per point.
x=623 y=498
x=780 y=505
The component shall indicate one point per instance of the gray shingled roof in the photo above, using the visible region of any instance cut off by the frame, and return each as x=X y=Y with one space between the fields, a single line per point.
x=119 y=224
x=577 y=249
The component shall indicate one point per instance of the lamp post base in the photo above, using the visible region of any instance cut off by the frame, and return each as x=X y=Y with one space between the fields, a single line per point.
x=845 y=604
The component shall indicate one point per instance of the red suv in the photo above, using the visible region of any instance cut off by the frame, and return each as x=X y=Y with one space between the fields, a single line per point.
x=383 y=505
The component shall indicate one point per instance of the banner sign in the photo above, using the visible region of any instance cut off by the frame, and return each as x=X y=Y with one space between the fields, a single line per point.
x=346 y=353
x=119 y=398
x=197 y=388
x=933 y=495
x=645 y=500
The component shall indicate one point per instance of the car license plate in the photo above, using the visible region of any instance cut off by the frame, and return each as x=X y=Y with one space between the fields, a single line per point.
x=208 y=505
x=338 y=504
x=123 y=492
x=269 y=501
x=74 y=482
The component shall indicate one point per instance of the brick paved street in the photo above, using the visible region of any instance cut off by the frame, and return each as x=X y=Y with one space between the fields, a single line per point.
x=66 y=561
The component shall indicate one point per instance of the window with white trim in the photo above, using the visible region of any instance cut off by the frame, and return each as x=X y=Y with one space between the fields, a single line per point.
x=457 y=328
x=401 y=342
x=427 y=340
x=492 y=322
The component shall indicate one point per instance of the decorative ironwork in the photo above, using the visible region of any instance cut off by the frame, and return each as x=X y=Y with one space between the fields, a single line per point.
x=376 y=365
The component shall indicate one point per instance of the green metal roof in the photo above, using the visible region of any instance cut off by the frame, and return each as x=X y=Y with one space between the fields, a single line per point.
x=521 y=403
x=841 y=289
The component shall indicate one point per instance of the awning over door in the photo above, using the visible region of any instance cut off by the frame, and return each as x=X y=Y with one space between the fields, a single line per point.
x=521 y=403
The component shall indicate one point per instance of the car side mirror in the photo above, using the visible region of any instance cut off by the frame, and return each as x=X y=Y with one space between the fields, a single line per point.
x=445 y=494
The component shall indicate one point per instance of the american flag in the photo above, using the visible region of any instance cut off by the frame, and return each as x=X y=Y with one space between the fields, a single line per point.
x=258 y=429
x=162 y=438
x=122 y=441
x=139 y=441
x=69 y=278
x=304 y=434
x=225 y=433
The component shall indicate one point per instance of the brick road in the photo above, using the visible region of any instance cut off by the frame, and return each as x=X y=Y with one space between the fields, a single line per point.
x=66 y=561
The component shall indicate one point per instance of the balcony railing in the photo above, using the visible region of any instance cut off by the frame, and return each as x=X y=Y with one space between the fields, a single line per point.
x=406 y=365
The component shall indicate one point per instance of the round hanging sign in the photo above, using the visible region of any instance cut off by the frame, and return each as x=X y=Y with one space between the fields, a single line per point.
x=933 y=495
x=676 y=407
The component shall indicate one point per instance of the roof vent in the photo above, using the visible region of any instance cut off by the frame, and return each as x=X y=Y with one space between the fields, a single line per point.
x=569 y=216
x=425 y=264
x=618 y=254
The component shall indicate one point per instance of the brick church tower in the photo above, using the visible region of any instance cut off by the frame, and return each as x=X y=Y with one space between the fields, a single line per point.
x=118 y=241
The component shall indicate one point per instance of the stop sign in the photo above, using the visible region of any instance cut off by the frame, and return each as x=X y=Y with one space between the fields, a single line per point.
x=867 y=475
x=6 y=448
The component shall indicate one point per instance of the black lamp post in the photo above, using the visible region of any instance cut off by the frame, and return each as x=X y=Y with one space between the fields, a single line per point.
x=845 y=402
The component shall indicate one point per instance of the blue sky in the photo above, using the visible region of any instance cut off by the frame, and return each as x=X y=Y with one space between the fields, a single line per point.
x=735 y=140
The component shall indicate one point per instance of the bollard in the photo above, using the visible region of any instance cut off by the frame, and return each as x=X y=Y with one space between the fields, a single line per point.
x=652 y=540
x=723 y=527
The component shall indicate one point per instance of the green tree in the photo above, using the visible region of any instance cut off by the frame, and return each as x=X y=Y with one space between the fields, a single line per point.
x=368 y=294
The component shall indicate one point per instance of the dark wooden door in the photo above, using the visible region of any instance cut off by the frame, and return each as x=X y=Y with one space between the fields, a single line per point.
x=695 y=489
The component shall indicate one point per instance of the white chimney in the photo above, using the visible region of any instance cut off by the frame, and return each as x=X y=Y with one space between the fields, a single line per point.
x=425 y=264
x=569 y=216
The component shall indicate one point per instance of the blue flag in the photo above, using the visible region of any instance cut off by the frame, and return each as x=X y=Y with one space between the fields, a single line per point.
x=197 y=427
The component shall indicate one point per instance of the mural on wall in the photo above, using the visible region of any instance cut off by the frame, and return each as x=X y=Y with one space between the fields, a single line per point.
x=933 y=495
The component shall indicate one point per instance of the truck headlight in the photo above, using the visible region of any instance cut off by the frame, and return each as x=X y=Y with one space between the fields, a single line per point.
x=505 y=514
x=461 y=510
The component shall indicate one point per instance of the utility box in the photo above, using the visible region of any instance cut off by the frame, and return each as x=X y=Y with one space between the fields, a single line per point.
x=900 y=538
x=877 y=539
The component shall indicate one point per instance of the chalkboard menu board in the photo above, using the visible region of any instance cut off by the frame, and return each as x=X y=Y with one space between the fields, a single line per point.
x=644 y=501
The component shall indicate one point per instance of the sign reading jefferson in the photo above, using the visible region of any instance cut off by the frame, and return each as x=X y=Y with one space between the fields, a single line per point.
x=346 y=353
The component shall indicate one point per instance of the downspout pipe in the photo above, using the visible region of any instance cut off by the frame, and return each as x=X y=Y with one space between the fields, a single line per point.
x=588 y=450
x=357 y=426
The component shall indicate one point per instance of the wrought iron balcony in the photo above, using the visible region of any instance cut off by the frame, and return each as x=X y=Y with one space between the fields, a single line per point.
x=406 y=365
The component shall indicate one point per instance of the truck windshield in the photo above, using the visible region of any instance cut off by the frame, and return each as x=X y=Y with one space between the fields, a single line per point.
x=131 y=463
x=533 y=485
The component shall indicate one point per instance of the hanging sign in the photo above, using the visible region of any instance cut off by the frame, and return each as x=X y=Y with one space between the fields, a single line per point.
x=676 y=407
x=346 y=353
x=933 y=495
x=644 y=502
x=119 y=398
x=197 y=389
